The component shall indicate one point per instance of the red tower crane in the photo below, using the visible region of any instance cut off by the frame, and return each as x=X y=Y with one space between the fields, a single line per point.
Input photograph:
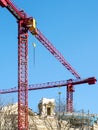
x=26 y=24
x=47 y=85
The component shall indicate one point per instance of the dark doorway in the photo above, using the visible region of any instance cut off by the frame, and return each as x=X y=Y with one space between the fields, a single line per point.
x=48 y=111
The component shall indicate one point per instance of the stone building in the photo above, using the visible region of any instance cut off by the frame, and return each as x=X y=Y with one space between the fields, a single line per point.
x=46 y=107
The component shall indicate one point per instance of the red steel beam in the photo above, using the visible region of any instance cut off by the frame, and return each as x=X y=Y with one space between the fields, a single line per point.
x=47 y=85
x=22 y=76
x=55 y=53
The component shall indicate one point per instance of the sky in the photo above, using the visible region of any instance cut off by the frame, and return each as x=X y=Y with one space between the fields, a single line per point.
x=72 y=27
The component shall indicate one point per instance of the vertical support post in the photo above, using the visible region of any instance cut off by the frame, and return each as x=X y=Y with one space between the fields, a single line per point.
x=59 y=105
x=22 y=76
x=69 y=98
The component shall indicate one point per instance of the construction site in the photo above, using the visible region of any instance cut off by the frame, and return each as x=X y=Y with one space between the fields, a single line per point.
x=50 y=115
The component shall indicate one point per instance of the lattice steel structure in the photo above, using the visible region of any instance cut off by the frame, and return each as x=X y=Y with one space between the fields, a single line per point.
x=22 y=75
x=26 y=24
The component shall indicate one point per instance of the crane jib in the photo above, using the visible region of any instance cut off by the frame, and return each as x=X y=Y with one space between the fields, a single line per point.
x=20 y=14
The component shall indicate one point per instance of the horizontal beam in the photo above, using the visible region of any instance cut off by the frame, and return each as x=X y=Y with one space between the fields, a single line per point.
x=47 y=85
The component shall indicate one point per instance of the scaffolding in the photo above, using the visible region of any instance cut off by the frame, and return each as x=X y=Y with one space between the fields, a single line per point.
x=80 y=120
